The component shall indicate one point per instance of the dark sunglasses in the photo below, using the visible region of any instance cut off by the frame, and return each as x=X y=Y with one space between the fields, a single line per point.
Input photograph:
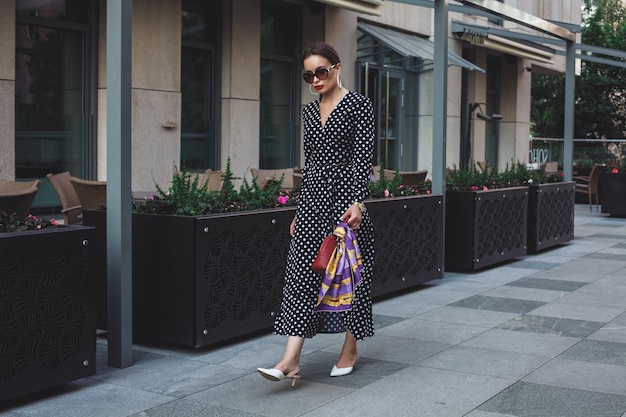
x=321 y=73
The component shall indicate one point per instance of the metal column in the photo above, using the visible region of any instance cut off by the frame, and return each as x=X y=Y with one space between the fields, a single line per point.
x=119 y=227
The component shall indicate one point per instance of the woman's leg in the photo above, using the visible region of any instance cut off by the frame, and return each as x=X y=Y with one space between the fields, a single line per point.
x=291 y=358
x=348 y=355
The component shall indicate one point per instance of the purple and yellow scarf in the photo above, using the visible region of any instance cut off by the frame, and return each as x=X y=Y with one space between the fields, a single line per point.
x=343 y=273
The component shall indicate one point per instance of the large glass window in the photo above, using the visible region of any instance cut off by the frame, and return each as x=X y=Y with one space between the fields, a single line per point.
x=280 y=50
x=390 y=80
x=199 y=87
x=53 y=93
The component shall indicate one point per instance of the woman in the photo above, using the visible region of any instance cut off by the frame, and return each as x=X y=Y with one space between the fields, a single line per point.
x=338 y=145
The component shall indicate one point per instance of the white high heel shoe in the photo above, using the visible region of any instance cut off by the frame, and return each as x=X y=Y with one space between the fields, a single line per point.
x=274 y=374
x=342 y=371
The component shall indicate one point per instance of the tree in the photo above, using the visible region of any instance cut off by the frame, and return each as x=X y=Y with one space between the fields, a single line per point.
x=600 y=89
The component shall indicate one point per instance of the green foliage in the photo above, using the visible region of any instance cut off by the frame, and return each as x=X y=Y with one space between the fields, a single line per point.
x=600 y=90
x=394 y=188
x=10 y=223
x=187 y=197
x=473 y=179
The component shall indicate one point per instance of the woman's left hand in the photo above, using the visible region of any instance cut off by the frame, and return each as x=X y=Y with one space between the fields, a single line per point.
x=353 y=217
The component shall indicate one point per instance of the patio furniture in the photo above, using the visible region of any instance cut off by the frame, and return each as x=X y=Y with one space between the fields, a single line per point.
x=413 y=177
x=264 y=176
x=70 y=204
x=589 y=185
x=17 y=196
x=552 y=167
x=91 y=194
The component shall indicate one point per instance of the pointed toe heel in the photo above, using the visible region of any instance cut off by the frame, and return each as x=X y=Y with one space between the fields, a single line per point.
x=274 y=374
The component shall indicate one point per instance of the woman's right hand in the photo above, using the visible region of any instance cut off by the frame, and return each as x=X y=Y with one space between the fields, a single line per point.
x=292 y=226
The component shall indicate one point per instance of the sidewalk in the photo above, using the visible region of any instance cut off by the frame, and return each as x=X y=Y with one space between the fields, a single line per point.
x=541 y=336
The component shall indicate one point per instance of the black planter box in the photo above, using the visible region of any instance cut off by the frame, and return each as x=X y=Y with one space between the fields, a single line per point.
x=47 y=309
x=484 y=228
x=203 y=279
x=612 y=193
x=408 y=248
x=550 y=215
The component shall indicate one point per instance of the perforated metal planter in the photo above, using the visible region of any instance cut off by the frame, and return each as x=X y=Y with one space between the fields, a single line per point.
x=484 y=228
x=47 y=309
x=550 y=215
x=204 y=279
x=408 y=247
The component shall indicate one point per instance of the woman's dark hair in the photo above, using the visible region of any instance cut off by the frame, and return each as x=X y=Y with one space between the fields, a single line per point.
x=322 y=49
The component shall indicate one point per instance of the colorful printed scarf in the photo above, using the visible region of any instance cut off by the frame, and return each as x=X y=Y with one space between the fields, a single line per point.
x=343 y=273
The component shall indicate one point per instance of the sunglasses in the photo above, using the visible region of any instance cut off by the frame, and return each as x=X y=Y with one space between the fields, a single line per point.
x=321 y=73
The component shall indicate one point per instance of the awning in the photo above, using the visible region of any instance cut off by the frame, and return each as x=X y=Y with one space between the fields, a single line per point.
x=409 y=45
x=481 y=36
x=371 y=7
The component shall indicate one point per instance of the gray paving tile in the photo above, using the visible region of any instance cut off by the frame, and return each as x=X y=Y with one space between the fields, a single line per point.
x=620 y=319
x=416 y=391
x=605 y=256
x=597 y=351
x=524 y=293
x=381 y=321
x=418 y=328
x=397 y=349
x=489 y=362
x=478 y=413
x=258 y=396
x=187 y=408
x=620 y=246
x=608 y=235
x=508 y=305
x=611 y=332
x=589 y=376
x=91 y=398
x=535 y=400
x=547 y=284
x=566 y=310
x=599 y=295
x=552 y=325
x=530 y=263
x=468 y=316
x=522 y=342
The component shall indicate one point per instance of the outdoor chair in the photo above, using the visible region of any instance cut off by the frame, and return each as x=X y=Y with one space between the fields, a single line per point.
x=589 y=185
x=214 y=178
x=552 y=167
x=17 y=196
x=70 y=204
x=413 y=177
x=389 y=174
x=265 y=176
x=91 y=194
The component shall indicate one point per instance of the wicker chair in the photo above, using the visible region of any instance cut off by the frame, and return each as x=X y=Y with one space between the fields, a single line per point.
x=17 y=196
x=589 y=185
x=413 y=177
x=70 y=204
x=91 y=194
x=264 y=176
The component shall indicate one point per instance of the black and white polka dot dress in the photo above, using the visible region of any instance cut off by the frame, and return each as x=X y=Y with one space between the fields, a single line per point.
x=338 y=161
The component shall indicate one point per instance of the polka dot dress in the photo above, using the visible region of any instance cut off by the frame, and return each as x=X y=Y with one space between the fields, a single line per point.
x=338 y=161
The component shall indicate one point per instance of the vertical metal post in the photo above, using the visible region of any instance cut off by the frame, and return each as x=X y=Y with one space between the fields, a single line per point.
x=119 y=227
x=568 y=129
x=440 y=96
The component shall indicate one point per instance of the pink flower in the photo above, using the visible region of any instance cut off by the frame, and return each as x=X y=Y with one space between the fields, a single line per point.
x=474 y=188
x=282 y=199
x=386 y=193
x=485 y=188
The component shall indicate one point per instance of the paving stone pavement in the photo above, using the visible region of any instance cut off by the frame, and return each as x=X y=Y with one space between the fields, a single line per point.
x=542 y=336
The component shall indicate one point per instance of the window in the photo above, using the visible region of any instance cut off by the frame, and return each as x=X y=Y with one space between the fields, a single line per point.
x=54 y=92
x=280 y=52
x=199 y=144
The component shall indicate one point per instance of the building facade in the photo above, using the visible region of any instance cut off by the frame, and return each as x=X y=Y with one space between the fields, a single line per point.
x=221 y=79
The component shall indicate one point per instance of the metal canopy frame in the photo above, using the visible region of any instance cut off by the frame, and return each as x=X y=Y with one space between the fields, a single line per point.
x=409 y=45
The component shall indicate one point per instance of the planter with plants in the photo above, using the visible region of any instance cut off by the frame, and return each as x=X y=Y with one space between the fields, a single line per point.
x=408 y=228
x=208 y=266
x=490 y=216
x=47 y=305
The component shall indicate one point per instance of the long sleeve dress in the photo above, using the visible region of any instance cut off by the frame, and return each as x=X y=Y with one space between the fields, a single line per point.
x=338 y=162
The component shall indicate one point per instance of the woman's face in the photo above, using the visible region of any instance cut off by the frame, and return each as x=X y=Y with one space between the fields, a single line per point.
x=329 y=83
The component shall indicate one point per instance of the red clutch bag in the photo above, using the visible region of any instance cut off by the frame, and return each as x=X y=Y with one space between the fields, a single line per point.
x=324 y=254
